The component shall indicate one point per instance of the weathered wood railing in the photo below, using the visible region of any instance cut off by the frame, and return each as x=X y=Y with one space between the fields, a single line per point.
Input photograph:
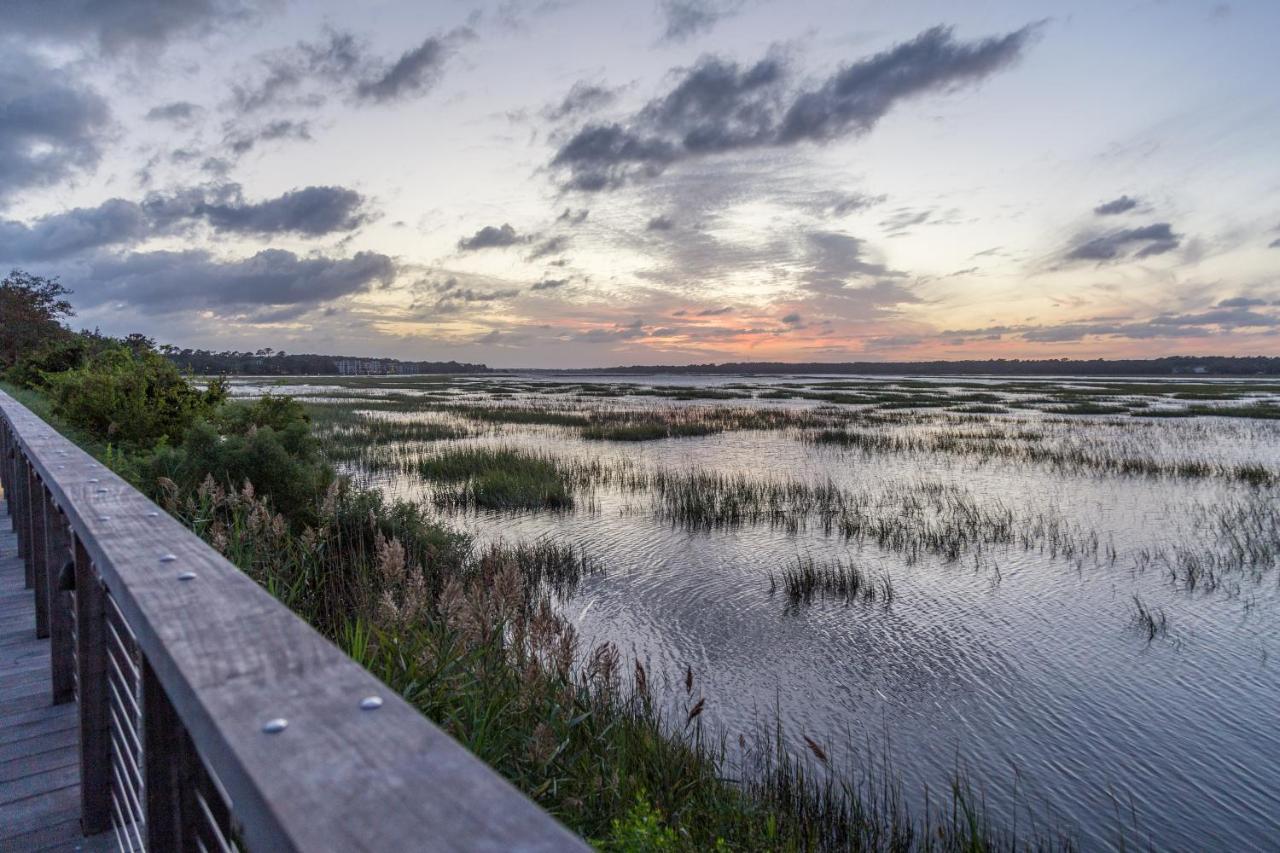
x=211 y=717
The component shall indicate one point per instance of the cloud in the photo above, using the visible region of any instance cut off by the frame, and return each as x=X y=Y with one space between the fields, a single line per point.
x=550 y=284
x=582 y=99
x=660 y=223
x=491 y=237
x=573 y=217
x=685 y=19
x=1145 y=241
x=51 y=126
x=719 y=106
x=163 y=282
x=415 y=72
x=61 y=235
x=792 y=319
x=119 y=24
x=1241 y=302
x=241 y=141
x=1274 y=244
x=1223 y=319
x=311 y=211
x=834 y=259
x=1118 y=205
x=336 y=60
x=618 y=332
x=179 y=112
x=307 y=212
x=550 y=246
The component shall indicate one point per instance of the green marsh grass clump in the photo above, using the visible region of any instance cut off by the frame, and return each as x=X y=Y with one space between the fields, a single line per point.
x=503 y=478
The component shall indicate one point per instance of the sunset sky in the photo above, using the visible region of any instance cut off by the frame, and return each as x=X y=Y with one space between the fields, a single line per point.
x=554 y=183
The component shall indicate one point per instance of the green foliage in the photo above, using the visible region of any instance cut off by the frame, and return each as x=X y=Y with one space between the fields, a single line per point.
x=32 y=308
x=640 y=830
x=56 y=356
x=498 y=478
x=136 y=399
x=267 y=443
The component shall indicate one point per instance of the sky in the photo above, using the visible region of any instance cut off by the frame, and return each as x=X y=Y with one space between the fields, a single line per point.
x=550 y=183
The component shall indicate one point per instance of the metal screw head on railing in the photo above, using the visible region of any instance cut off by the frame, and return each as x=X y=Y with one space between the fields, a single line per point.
x=153 y=514
x=187 y=576
x=370 y=703
x=275 y=726
x=167 y=558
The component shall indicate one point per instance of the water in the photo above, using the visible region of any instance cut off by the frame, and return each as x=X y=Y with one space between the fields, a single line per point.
x=1020 y=668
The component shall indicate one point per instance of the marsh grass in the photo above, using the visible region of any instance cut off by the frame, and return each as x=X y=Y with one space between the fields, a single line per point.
x=503 y=478
x=1150 y=622
x=808 y=579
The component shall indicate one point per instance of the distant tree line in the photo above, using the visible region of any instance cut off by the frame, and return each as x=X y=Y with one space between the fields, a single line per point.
x=270 y=362
x=1211 y=365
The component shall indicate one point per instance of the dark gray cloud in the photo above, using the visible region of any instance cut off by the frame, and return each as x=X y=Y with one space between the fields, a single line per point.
x=793 y=319
x=1142 y=242
x=1241 y=302
x=311 y=211
x=51 y=126
x=309 y=72
x=120 y=24
x=178 y=112
x=286 y=76
x=719 y=106
x=241 y=141
x=1274 y=244
x=548 y=247
x=660 y=223
x=61 y=235
x=491 y=237
x=573 y=217
x=715 y=312
x=307 y=212
x=1117 y=205
x=164 y=282
x=415 y=72
x=582 y=99
x=834 y=258
x=550 y=284
x=684 y=19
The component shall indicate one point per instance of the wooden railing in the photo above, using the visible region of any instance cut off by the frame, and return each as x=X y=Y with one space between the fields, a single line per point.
x=211 y=717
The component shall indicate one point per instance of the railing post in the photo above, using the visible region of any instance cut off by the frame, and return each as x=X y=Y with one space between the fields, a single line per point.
x=36 y=507
x=6 y=482
x=19 y=512
x=167 y=772
x=95 y=720
x=58 y=581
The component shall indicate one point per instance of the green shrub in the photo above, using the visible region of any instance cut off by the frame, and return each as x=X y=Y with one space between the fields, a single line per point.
x=136 y=399
x=57 y=356
x=267 y=443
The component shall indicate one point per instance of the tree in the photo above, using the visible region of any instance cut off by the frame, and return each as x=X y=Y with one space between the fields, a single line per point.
x=32 y=308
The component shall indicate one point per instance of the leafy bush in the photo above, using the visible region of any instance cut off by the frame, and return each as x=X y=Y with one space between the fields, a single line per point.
x=136 y=399
x=57 y=356
x=267 y=443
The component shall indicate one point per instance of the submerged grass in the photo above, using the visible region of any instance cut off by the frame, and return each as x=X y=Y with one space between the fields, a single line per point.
x=808 y=579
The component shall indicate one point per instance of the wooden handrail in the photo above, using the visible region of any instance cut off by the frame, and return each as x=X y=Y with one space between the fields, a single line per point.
x=248 y=715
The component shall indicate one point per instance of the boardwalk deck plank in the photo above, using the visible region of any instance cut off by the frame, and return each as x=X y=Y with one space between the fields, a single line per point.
x=39 y=747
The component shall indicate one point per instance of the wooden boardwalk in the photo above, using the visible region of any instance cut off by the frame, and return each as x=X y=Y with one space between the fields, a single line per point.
x=39 y=752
